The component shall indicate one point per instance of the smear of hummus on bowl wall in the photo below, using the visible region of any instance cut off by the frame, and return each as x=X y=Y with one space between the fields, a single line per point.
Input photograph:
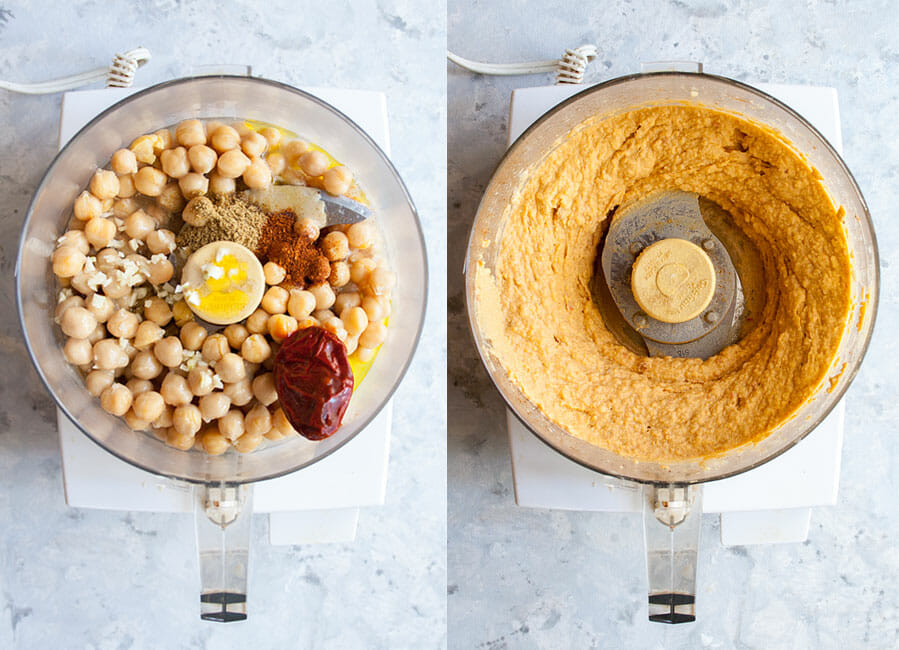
x=537 y=311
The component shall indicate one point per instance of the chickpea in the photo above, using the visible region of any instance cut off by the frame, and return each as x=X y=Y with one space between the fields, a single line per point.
x=275 y=300
x=373 y=309
x=314 y=163
x=175 y=162
x=255 y=349
x=381 y=281
x=300 y=303
x=109 y=355
x=247 y=443
x=116 y=399
x=149 y=406
x=169 y=351
x=200 y=381
x=281 y=424
x=257 y=175
x=75 y=239
x=135 y=422
x=236 y=334
x=257 y=323
x=78 y=352
x=340 y=274
x=324 y=295
x=81 y=283
x=164 y=140
x=98 y=334
x=123 y=208
x=157 y=310
x=240 y=392
x=373 y=335
x=365 y=354
x=109 y=259
x=190 y=132
x=335 y=246
x=160 y=215
x=87 y=207
x=99 y=232
x=71 y=301
x=160 y=272
x=214 y=406
x=293 y=149
x=148 y=333
x=202 y=158
x=355 y=320
x=139 y=224
x=137 y=386
x=181 y=313
x=143 y=149
x=212 y=126
x=193 y=185
x=161 y=242
x=213 y=442
x=123 y=324
x=214 y=348
x=323 y=315
x=280 y=327
x=149 y=181
x=220 y=185
x=306 y=227
x=99 y=380
x=179 y=441
x=225 y=138
x=126 y=186
x=187 y=420
x=276 y=163
x=193 y=335
x=263 y=387
x=360 y=235
x=337 y=180
x=116 y=289
x=346 y=300
x=231 y=424
x=253 y=144
x=100 y=306
x=123 y=162
x=170 y=198
x=77 y=322
x=258 y=421
x=145 y=365
x=351 y=343
x=230 y=368
x=165 y=420
x=232 y=164
x=274 y=273
x=272 y=136
x=360 y=270
x=68 y=261
x=175 y=391
x=335 y=326
x=104 y=184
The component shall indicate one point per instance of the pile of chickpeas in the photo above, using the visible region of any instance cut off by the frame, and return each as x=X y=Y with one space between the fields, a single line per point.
x=135 y=339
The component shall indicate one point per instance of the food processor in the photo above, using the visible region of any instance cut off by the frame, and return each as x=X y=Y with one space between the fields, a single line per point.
x=672 y=493
x=223 y=524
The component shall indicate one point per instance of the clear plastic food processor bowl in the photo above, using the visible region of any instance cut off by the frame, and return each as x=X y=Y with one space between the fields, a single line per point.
x=206 y=97
x=625 y=94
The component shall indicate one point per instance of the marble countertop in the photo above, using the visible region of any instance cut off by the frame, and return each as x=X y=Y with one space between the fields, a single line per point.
x=549 y=579
x=94 y=579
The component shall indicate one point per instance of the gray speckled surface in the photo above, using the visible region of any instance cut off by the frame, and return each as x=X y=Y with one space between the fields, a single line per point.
x=541 y=579
x=91 y=579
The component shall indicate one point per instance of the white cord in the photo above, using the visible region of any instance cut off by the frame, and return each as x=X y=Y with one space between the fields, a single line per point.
x=119 y=75
x=569 y=69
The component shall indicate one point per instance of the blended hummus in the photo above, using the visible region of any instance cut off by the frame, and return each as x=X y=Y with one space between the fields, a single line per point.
x=543 y=326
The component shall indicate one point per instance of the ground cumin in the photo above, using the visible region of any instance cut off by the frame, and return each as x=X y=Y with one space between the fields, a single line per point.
x=297 y=255
x=229 y=219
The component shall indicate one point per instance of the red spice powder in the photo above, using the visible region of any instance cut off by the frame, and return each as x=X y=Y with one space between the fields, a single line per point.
x=297 y=255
